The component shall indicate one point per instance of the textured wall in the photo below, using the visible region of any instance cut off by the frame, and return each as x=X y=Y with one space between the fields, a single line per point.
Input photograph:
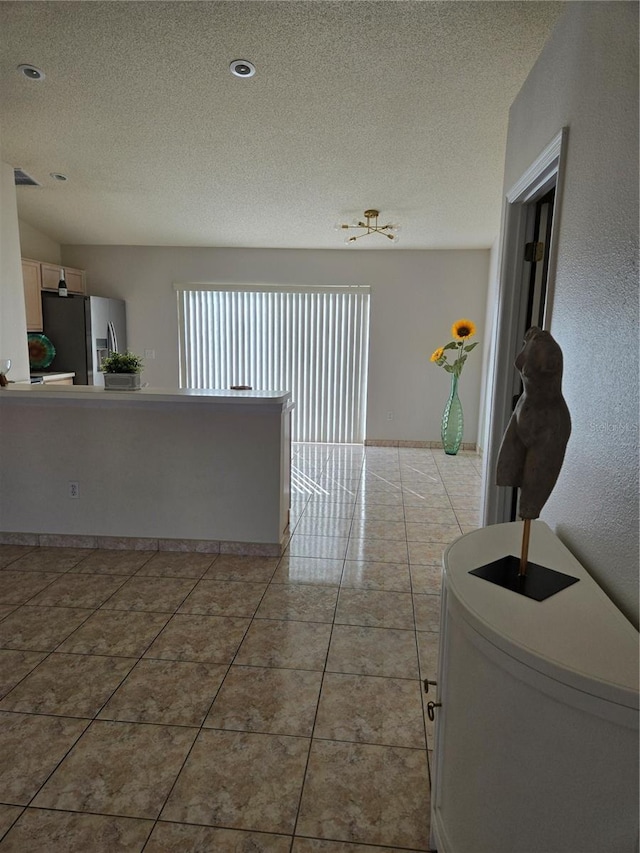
x=36 y=245
x=587 y=78
x=13 y=321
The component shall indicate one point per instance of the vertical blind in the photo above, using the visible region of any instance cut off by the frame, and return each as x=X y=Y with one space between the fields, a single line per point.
x=313 y=342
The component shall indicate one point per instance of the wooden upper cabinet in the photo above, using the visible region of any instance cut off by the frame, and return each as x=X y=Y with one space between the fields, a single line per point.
x=31 y=277
x=51 y=276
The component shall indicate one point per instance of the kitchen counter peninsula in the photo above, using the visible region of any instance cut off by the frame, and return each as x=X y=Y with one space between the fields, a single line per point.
x=175 y=469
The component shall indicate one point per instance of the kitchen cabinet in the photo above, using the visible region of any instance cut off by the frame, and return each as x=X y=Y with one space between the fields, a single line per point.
x=536 y=709
x=76 y=281
x=32 y=281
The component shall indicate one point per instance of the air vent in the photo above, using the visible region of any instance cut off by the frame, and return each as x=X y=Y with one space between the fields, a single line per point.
x=23 y=180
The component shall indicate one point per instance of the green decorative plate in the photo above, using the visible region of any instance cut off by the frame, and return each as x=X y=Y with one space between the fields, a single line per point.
x=41 y=350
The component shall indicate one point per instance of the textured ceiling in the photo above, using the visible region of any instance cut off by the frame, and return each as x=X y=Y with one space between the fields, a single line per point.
x=401 y=106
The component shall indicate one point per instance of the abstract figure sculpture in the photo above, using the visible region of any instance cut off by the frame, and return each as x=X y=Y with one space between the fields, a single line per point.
x=534 y=443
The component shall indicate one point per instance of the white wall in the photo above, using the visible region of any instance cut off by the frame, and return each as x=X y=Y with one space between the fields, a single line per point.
x=587 y=78
x=416 y=296
x=13 y=321
x=488 y=352
x=38 y=246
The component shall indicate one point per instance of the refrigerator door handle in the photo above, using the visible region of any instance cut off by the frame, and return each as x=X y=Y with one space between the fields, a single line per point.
x=113 y=338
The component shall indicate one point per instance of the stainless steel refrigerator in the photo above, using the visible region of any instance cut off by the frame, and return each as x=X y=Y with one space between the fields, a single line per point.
x=83 y=330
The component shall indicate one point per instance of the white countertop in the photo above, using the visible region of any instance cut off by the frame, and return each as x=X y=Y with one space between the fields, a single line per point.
x=91 y=394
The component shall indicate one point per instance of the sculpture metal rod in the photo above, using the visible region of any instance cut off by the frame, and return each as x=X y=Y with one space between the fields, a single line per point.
x=524 y=554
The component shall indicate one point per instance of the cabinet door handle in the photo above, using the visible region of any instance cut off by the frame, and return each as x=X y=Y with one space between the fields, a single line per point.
x=431 y=706
x=426 y=683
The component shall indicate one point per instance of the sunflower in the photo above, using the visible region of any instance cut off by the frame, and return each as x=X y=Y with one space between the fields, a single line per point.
x=463 y=329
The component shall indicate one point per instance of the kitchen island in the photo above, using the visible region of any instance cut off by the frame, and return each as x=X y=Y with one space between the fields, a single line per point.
x=175 y=469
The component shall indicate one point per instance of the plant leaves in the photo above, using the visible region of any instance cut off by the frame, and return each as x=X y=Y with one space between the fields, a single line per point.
x=471 y=346
x=450 y=345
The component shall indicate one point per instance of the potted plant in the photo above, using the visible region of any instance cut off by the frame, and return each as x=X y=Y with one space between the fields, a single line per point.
x=122 y=371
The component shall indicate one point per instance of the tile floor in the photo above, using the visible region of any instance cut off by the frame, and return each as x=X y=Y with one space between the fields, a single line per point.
x=164 y=701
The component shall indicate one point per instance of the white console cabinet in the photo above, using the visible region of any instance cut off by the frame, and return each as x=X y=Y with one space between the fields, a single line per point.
x=536 y=737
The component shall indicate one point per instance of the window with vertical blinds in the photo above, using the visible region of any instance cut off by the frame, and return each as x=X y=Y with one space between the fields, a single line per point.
x=313 y=342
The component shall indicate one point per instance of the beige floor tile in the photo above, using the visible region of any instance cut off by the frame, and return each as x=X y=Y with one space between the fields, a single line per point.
x=68 y=685
x=359 y=574
x=314 y=570
x=328 y=509
x=316 y=845
x=430 y=514
x=427 y=612
x=298 y=601
x=366 y=794
x=78 y=591
x=426 y=579
x=174 y=837
x=333 y=527
x=369 y=528
x=428 y=644
x=206 y=639
x=421 y=532
x=291 y=645
x=161 y=595
x=261 y=699
x=418 y=498
x=176 y=564
x=15 y=665
x=115 y=632
x=119 y=768
x=177 y=693
x=10 y=553
x=107 y=562
x=469 y=518
x=378 y=512
x=39 y=628
x=8 y=816
x=223 y=598
x=426 y=553
x=250 y=569
x=43 y=831
x=373 y=651
x=219 y=784
x=378 y=550
x=377 y=496
x=50 y=559
x=374 y=608
x=6 y=609
x=333 y=547
x=19 y=587
x=369 y=709
x=31 y=746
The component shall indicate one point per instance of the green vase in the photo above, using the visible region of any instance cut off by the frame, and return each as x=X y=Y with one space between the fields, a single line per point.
x=452 y=421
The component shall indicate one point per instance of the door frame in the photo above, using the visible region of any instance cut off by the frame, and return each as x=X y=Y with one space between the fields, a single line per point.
x=517 y=225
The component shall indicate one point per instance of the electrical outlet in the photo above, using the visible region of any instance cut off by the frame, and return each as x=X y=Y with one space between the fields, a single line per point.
x=149 y=353
x=389 y=416
x=74 y=489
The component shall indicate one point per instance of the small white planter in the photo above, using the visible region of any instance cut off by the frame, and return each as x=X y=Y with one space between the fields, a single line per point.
x=122 y=381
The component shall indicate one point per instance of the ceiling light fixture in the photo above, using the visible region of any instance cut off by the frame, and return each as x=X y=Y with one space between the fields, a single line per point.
x=58 y=176
x=31 y=72
x=242 y=68
x=370 y=227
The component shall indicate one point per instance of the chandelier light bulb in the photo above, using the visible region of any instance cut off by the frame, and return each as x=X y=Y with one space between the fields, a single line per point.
x=369 y=225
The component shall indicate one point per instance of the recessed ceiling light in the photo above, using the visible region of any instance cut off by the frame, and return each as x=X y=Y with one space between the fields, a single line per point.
x=242 y=68
x=58 y=176
x=31 y=72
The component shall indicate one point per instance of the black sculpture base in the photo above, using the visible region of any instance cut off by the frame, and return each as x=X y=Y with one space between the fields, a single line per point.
x=539 y=582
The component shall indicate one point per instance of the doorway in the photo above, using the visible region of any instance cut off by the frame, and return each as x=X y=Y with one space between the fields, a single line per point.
x=525 y=297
